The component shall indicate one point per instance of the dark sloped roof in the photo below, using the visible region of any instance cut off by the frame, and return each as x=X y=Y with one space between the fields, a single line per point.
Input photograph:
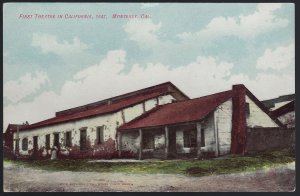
x=289 y=107
x=271 y=102
x=13 y=127
x=179 y=112
x=164 y=87
x=104 y=107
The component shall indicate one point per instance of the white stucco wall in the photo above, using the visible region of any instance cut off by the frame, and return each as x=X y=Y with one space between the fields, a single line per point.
x=149 y=104
x=223 y=124
x=258 y=117
x=110 y=122
x=165 y=99
x=209 y=134
x=133 y=112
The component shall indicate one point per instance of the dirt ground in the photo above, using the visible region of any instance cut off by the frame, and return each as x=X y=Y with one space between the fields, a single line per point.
x=22 y=179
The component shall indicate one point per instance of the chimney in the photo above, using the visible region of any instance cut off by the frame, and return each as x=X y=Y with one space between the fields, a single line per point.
x=238 y=140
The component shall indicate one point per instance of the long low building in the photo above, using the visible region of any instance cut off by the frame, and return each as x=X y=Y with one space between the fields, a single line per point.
x=159 y=121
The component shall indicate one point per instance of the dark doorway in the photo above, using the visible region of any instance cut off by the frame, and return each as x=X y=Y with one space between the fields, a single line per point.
x=83 y=139
x=56 y=140
x=172 y=144
x=35 y=144
x=17 y=146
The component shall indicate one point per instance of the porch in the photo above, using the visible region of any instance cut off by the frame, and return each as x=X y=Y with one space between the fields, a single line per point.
x=186 y=140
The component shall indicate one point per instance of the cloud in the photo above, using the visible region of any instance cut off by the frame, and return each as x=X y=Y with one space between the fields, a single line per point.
x=277 y=59
x=202 y=76
x=244 y=26
x=49 y=44
x=16 y=90
x=145 y=32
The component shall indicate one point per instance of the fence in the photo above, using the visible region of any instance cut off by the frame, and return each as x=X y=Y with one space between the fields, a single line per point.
x=265 y=139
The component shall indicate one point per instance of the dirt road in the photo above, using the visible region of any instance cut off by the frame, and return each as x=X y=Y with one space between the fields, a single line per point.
x=18 y=178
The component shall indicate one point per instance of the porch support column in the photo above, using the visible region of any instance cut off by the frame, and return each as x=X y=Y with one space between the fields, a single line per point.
x=141 y=144
x=216 y=135
x=166 y=142
x=198 y=125
x=120 y=143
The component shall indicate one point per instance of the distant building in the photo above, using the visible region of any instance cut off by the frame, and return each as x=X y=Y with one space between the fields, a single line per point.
x=282 y=108
x=273 y=104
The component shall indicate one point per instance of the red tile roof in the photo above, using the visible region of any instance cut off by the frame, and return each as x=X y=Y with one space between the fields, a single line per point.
x=13 y=127
x=104 y=108
x=179 y=112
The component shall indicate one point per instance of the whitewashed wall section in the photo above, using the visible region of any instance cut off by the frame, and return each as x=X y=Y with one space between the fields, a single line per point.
x=109 y=121
x=257 y=116
x=223 y=125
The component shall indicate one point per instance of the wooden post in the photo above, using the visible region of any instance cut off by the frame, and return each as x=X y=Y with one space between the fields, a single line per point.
x=123 y=116
x=17 y=142
x=141 y=144
x=198 y=125
x=144 y=107
x=216 y=135
x=120 y=143
x=166 y=142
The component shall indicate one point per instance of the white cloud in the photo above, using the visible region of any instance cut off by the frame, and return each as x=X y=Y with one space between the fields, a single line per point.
x=49 y=44
x=278 y=59
x=203 y=76
x=15 y=90
x=243 y=26
x=143 y=31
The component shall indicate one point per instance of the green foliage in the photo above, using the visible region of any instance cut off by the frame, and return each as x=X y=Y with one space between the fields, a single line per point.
x=230 y=164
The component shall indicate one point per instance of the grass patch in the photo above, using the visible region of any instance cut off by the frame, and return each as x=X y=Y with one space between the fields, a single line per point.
x=188 y=167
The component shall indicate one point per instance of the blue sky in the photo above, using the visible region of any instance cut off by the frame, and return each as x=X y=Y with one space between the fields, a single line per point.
x=53 y=64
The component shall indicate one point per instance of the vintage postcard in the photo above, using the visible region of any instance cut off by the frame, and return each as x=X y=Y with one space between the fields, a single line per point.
x=149 y=97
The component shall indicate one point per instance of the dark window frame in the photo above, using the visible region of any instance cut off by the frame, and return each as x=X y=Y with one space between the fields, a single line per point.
x=56 y=142
x=202 y=137
x=100 y=134
x=83 y=140
x=47 y=141
x=68 y=139
x=247 y=108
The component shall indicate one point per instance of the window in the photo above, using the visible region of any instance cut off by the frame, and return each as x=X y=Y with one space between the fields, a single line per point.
x=83 y=142
x=148 y=140
x=56 y=140
x=68 y=139
x=100 y=135
x=247 y=108
x=25 y=144
x=189 y=138
x=202 y=137
x=48 y=141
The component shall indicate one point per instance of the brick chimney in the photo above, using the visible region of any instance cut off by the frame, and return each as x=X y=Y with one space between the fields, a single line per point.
x=238 y=134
